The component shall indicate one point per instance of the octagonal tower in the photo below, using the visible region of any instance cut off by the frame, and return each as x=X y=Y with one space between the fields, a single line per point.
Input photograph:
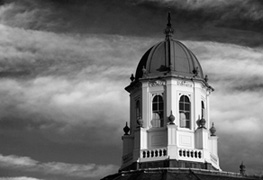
x=169 y=111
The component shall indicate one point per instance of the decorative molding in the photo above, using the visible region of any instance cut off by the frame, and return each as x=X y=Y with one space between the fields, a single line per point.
x=185 y=141
x=184 y=83
x=157 y=83
x=157 y=140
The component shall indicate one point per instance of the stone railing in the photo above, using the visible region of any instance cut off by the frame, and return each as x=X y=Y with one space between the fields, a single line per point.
x=153 y=153
x=190 y=153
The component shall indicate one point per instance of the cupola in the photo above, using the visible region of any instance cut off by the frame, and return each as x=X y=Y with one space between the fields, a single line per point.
x=169 y=111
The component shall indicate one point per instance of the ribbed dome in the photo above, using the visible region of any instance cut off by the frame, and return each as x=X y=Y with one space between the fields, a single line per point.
x=169 y=56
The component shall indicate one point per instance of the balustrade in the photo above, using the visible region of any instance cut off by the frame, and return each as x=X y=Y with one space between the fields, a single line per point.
x=190 y=153
x=151 y=153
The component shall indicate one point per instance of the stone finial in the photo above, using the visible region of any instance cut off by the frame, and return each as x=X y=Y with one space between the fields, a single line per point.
x=140 y=122
x=242 y=169
x=206 y=78
x=132 y=78
x=126 y=129
x=196 y=71
x=144 y=72
x=202 y=123
x=171 y=118
x=213 y=130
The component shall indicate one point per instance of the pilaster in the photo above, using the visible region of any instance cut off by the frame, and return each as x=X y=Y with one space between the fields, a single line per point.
x=140 y=142
x=172 y=144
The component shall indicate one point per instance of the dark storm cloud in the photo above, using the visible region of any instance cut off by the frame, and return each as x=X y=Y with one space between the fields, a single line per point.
x=234 y=21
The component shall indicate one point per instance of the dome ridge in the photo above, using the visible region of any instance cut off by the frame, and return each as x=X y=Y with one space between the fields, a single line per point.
x=169 y=56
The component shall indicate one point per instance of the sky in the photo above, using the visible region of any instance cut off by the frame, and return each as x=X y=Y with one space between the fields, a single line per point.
x=64 y=65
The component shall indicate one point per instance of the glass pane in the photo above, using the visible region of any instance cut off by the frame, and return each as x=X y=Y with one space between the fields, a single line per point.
x=181 y=99
x=187 y=115
x=160 y=99
x=154 y=107
x=187 y=124
x=161 y=106
x=186 y=99
x=187 y=107
x=161 y=114
x=181 y=106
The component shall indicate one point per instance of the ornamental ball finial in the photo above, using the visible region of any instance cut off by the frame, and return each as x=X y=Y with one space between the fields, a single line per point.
x=202 y=123
x=171 y=118
x=213 y=130
x=132 y=78
x=206 y=78
x=126 y=129
x=242 y=169
x=139 y=122
x=144 y=72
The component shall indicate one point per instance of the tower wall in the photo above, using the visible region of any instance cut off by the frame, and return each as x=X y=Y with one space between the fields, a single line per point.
x=170 y=141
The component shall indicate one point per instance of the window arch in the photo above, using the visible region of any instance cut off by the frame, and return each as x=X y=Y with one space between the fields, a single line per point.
x=157 y=111
x=138 y=109
x=185 y=112
x=202 y=109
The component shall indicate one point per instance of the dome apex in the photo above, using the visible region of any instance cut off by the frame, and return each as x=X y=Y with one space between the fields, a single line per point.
x=169 y=56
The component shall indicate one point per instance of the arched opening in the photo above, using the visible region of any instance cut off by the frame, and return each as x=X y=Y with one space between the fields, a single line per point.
x=157 y=111
x=202 y=109
x=185 y=112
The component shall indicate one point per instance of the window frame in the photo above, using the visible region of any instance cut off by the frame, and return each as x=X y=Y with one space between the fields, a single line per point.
x=159 y=108
x=185 y=108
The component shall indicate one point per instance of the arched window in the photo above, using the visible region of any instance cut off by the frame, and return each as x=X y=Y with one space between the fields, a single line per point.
x=185 y=112
x=202 y=109
x=157 y=110
x=138 y=109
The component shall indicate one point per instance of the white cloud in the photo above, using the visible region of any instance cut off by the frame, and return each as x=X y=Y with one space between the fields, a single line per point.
x=68 y=79
x=18 y=178
x=26 y=164
x=236 y=104
x=13 y=160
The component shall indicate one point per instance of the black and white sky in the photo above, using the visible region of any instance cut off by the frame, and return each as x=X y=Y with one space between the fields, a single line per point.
x=64 y=65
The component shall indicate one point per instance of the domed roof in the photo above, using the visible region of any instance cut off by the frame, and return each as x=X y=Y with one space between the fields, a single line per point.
x=169 y=56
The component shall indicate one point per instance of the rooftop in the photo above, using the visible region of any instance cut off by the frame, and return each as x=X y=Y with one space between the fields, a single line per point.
x=180 y=174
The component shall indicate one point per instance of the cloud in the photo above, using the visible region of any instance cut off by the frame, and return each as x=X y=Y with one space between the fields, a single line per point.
x=232 y=65
x=27 y=164
x=235 y=105
x=28 y=14
x=31 y=53
x=77 y=87
x=18 y=178
x=234 y=21
x=69 y=86
x=63 y=84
